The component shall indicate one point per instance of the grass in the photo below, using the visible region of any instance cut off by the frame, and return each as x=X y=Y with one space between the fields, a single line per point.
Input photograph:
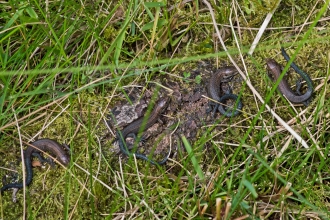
x=65 y=64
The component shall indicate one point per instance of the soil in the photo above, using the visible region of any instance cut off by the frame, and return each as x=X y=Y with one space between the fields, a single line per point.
x=185 y=115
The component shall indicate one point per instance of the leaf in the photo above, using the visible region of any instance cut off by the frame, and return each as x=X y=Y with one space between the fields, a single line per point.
x=154 y=4
x=194 y=161
x=148 y=26
x=251 y=188
x=26 y=19
x=31 y=12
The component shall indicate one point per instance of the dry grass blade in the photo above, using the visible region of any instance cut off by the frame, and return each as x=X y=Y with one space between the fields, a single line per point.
x=263 y=28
